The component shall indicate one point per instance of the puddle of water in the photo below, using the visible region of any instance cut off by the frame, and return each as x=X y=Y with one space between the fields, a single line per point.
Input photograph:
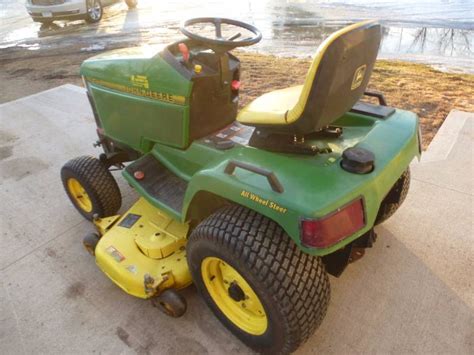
x=439 y=32
x=444 y=46
x=30 y=47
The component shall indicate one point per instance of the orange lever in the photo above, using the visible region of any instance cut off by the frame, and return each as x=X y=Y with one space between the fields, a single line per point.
x=235 y=85
x=183 y=48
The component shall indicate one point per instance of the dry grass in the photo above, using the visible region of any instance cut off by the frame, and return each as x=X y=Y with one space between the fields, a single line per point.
x=415 y=87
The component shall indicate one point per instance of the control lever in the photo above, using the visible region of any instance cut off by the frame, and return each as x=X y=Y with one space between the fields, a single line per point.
x=183 y=48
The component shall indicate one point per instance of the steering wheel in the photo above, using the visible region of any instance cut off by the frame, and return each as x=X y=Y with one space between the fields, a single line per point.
x=219 y=41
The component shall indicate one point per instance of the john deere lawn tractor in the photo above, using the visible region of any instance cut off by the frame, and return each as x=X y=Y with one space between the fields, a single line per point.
x=255 y=207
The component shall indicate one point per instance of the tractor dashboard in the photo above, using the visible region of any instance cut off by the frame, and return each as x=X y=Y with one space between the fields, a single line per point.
x=215 y=84
x=198 y=60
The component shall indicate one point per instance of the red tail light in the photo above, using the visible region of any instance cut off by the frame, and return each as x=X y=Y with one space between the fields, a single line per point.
x=327 y=231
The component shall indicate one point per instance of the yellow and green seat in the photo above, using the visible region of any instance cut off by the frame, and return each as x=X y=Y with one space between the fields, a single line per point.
x=336 y=80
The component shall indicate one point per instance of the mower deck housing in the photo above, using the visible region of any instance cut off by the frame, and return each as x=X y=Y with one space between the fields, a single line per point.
x=143 y=250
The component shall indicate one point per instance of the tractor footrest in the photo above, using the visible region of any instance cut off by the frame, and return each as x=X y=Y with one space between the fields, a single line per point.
x=158 y=182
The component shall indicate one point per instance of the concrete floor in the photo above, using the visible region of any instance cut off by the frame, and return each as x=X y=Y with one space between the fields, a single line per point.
x=412 y=293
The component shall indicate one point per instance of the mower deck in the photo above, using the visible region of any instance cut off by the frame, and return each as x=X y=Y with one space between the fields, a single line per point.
x=143 y=251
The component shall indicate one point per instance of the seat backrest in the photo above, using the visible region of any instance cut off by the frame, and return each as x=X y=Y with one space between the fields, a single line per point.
x=337 y=77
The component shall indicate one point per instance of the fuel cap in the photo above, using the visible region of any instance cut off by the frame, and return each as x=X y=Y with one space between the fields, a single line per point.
x=358 y=160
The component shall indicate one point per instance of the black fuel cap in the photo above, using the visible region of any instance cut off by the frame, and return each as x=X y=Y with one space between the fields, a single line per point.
x=224 y=144
x=358 y=160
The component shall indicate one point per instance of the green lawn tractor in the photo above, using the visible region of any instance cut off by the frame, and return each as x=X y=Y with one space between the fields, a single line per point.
x=255 y=207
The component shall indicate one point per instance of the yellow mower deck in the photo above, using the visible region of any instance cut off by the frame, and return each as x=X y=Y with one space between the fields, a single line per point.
x=143 y=250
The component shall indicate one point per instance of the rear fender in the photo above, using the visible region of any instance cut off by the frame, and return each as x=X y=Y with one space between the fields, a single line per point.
x=212 y=188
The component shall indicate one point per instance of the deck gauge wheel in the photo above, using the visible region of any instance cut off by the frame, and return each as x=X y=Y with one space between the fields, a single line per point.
x=171 y=303
x=90 y=242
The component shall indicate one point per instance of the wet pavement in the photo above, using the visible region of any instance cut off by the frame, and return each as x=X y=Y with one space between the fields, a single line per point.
x=437 y=32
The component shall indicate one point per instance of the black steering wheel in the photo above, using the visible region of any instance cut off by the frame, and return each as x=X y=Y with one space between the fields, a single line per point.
x=219 y=41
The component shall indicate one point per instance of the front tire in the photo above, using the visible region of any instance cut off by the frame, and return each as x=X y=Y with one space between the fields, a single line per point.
x=94 y=11
x=91 y=187
x=255 y=279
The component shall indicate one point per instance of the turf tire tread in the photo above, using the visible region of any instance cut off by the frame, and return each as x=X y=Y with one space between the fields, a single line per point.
x=298 y=281
x=98 y=181
x=387 y=209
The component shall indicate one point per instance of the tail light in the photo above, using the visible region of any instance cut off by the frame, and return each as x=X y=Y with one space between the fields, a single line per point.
x=330 y=229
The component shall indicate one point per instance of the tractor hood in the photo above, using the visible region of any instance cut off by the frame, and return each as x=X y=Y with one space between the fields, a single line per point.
x=143 y=52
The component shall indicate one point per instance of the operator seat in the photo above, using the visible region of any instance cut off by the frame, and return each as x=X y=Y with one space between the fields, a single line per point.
x=335 y=81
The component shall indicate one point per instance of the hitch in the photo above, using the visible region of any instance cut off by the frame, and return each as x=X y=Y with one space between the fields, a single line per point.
x=337 y=262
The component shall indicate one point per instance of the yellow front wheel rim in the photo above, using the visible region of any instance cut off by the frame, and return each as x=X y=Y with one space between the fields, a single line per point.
x=234 y=296
x=79 y=194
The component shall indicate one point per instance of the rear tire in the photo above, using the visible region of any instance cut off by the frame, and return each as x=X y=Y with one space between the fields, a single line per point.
x=394 y=198
x=291 y=287
x=91 y=187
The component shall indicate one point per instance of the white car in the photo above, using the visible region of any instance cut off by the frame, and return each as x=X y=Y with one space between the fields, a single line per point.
x=47 y=11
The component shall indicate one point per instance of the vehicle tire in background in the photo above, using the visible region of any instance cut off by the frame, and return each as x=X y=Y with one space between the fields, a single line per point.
x=91 y=187
x=394 y=198
x=131 y=3
x=94 y=11
x=256 y=280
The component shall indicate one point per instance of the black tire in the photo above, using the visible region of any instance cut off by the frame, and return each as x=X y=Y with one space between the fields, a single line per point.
x=171 y=303
x=90 y=242
x=394 y=198
x=293 y=287
x=131 y=3
x=98 y=183
x=94 y=11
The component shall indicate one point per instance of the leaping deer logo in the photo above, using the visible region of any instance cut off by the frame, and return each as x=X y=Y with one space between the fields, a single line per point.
x=359 y=75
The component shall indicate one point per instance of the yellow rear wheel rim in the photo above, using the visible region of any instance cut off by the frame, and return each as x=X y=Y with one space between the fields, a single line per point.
x=79 y=195
x=234 y=296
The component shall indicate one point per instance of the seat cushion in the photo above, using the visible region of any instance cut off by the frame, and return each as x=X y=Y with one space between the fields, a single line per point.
x=270 y=108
